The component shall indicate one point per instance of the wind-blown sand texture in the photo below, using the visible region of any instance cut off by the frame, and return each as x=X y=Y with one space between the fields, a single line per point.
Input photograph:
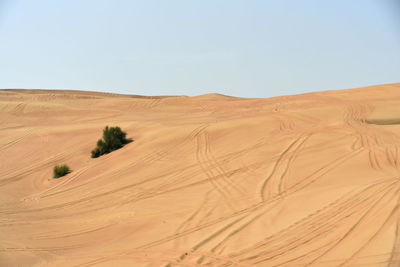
x=304 y=180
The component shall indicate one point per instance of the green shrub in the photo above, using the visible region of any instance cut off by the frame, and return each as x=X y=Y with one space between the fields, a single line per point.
x=60 y=171
x=113 y=139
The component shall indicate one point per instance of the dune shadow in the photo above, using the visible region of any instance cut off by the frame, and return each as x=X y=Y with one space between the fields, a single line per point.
x=383 y=121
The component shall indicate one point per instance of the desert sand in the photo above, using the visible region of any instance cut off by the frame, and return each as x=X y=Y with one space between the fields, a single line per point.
x=211 y=180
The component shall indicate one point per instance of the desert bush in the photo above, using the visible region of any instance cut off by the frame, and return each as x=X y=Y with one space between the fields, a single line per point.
x=60 y=170
x=113 y=139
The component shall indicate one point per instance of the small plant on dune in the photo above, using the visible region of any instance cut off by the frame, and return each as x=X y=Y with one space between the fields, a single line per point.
x=60 y=170
x=113 y=139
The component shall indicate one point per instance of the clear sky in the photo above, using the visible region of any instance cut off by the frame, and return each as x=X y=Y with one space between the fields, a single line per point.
x=251 y=48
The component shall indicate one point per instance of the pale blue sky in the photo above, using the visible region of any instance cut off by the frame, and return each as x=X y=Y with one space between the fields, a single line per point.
x=251 y=48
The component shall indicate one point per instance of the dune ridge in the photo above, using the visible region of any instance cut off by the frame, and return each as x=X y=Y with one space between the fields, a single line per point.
x=211 y=180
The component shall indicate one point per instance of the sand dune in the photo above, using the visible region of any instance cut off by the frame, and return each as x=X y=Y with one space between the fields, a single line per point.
x=303 y=180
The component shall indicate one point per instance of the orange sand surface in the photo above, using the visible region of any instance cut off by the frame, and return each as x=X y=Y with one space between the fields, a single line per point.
x=212 y=180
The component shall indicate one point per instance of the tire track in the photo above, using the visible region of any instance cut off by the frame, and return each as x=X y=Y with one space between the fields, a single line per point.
x=380 y=154
x=286 y=246
x=45 y=249
x=210 y=237
x=273 y=185
x=20 y=174
x=313 y=226
x=392 y=156
x=149 y=193
x=27 y=133
x=186 y=222
x=349 y=196
x=203 y=161
x=62 y=184
x=386 y=221
x=149 y=158
x=218 y=167
x=322 y=171
x=263 y=204
x=354 y=226
x=356 y=114
x=73 y=234
x=307 y=256
x=153 y=102
x=19 y=109
x=395 y=253
x=167 y=261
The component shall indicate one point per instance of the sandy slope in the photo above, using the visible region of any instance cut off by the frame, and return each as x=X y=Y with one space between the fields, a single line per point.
x=212 y=180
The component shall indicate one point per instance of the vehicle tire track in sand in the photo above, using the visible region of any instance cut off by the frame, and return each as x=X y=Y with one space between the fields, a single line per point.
x=234 y=227
x=218 y=167
x=385 y=223
x=392 y=155
x=297 y=224
x=358 y=222
x=191 y=230
x=191 y=220
x=315 y=225
x=209 y=237
x=166 y=259
x=149 y=158
x=70 y=178
x=155 y=102
x=26 y=133
x=288 y=248
x=344 y=261
x=273 y=184
x=370 y=138
x=322 y=171
x=72 y=234
x=204 y=163
x=219 y=247
x=149 y=193
x=45 y=249
x=356 y=114
x=19 y=109
x=263 y=204
x=395 y=253
x=20 y=174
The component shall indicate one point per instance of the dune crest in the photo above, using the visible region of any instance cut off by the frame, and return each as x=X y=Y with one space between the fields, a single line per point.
x=211 y=96
x=303 y=180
